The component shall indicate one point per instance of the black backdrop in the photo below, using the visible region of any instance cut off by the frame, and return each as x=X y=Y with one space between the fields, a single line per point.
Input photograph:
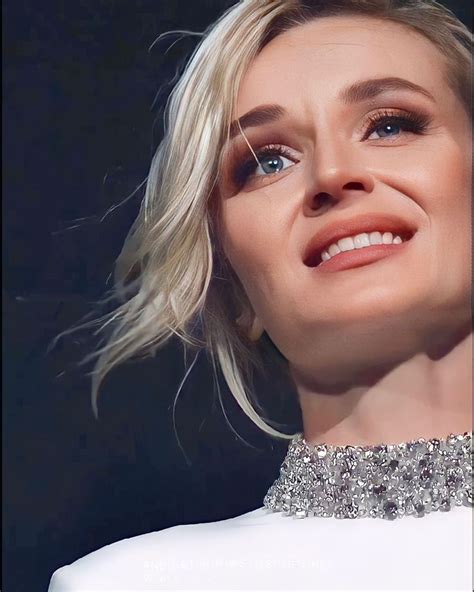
x=83 y=98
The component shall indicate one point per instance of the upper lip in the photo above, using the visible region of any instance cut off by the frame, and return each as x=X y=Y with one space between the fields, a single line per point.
x=356 y=225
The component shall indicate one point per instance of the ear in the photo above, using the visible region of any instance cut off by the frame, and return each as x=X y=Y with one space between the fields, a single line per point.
x=256 y=329
x=251 y=325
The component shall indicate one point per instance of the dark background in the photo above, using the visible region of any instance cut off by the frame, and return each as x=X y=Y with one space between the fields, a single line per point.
x=83 y=99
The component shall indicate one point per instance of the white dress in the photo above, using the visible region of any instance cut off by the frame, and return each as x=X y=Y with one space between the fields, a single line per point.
x=262 y=550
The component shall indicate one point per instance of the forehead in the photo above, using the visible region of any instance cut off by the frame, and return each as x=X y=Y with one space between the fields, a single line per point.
x=320 y=57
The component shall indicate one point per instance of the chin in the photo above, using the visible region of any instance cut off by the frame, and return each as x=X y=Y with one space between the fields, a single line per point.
x=371 y=307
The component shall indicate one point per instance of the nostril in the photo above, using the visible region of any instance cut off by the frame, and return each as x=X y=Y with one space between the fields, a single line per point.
x=322 y=199
x=353 y=185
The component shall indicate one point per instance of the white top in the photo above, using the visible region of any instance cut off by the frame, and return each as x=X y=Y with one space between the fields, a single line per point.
x=264 y=550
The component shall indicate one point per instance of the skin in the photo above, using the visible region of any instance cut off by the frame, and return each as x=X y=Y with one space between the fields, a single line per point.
x=383 y=352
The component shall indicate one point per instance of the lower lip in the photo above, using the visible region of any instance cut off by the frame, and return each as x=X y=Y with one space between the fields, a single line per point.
x=359 y=257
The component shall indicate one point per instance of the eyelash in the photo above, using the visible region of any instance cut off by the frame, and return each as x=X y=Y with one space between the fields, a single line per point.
x=410 y=121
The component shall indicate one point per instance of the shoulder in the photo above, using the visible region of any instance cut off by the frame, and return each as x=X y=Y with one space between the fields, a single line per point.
x=261 y=549
x=149 y=558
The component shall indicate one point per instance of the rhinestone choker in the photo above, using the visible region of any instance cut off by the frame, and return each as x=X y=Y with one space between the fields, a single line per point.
x=384 y=481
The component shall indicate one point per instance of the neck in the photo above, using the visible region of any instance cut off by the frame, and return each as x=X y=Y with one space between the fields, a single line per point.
x=423 y=396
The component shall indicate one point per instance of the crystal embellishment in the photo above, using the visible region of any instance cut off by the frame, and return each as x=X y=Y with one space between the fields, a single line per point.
x=385 y=481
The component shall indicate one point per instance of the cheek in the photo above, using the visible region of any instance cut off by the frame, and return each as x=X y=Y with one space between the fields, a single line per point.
x=445 y=196
x=437 y=177
x=252 y=240
x=246 y=233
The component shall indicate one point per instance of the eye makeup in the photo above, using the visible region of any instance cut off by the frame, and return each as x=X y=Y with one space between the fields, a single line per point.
x=242 y=168
x=408 y=121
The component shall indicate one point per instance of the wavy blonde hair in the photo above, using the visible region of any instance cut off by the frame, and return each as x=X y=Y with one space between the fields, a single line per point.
x=171 y=277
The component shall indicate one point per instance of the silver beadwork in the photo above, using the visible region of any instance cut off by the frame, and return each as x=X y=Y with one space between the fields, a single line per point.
x=384 y=481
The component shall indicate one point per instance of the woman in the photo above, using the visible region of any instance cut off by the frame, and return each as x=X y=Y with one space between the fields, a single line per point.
x=314 y=184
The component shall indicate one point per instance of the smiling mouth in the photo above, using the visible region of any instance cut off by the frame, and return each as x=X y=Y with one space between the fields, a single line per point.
x=358 y=257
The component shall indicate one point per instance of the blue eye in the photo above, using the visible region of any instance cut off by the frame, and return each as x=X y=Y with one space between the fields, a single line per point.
x=388 y=125
x=388 y=129
x=271 y=164
x=272 y=159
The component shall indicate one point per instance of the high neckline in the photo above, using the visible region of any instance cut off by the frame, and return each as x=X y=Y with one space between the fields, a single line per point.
x=388 y=481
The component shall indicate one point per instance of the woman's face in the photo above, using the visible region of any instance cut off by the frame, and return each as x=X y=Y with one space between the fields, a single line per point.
x=338 y=147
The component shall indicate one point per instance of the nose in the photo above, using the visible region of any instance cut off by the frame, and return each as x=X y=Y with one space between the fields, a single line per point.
x=337 y=171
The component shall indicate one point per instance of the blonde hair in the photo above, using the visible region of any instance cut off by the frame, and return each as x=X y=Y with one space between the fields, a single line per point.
x=171 y=277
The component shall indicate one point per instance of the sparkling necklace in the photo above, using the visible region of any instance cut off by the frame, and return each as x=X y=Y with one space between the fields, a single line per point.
x=384 y=481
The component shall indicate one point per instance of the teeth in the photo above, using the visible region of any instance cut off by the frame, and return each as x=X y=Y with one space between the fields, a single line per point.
x=349 y=243
x=375 y=238
x=362 y=240
x=346 y=243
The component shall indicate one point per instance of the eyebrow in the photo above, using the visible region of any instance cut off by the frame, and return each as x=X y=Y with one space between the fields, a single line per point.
x=358 y=92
